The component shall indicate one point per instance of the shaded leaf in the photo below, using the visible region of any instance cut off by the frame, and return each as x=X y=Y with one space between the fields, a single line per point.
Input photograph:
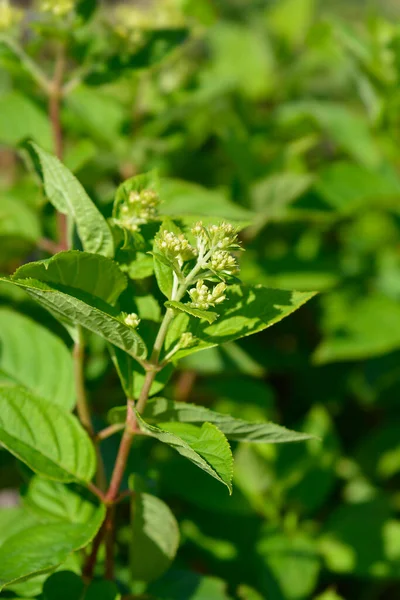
x=205 y=446
x=42 y=548
x=32 y=356
x=68 y=196
x=49 y=440
x=161 y=411
x=155 y=537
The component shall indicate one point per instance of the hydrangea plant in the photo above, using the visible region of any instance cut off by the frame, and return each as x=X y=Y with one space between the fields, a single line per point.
x=194 y=300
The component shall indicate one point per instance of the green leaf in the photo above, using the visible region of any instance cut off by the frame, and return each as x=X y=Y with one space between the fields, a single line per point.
x=102 y=590
x=68 y=294
x=349 y=187
x=273 y=195
x=155 y=537
x=349 y=130
x=191 y=202
x=185 y=585
x=292 y=562
x=68 y=196
x=208 y=316
x=32 y=356
x=362 y=539
x=164 y=273
x=247 y=310
x=13 y=520
x=359 y=328
x=41 y=548
x=18 y=220
x=63 y=585
x=91 y=273
x=205 y=446
x=52 y=501
x=161 y=411
x=49 y=440
x=15 y=129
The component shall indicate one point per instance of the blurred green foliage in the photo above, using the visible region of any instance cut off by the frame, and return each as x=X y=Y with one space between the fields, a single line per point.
x=285 y=116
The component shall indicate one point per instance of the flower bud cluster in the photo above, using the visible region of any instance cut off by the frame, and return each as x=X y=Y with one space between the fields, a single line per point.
x=175 y=247
x=140 y=209
x=132 y=320
x=203 y=297
x=59 y=8
x=214 y=242
x=186 y=340
x=223 y=262
x=9 y=15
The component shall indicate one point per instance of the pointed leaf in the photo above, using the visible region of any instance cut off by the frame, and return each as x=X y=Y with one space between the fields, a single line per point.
x=52 y=501
x=42 y=548
x=32 y=356
x=205 y=446
x=68 y=196
x=155 y=537
x=92 y=273
x=207 y=315
x=49 y=440
x=247 y=310
x=70 y=281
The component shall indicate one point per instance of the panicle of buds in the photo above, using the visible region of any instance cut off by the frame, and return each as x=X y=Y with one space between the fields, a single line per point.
x=203 y=297
x=132 y=320
x=213 y=242
x=175 y=247
x=140 y=208
x=9 y=15
x=59 y=8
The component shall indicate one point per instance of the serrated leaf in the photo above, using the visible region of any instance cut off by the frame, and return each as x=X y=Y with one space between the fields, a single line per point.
x=92 y=273
x=68 y=296
x=42 y=548
x=155 y=537
x=205 y=446
x=207 y=315
x=49 y=440
x=13 y=520
x=32 y=356
x=68 y=196
x=161 y=411
x=246 y=310
x=51 y=501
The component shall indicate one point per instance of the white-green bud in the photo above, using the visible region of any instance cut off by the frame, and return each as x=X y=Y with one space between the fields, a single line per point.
x=186 y=340
x=140 y=208
x=175 y=246
x=202 y=297
x=132 y=320
x=224 y=262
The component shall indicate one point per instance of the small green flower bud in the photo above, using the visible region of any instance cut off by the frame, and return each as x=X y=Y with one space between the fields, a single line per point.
x=186 y=340
x=203 y=298
x=140 y=208
x=132 y=320
x=175 y=246
x=224 y=262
